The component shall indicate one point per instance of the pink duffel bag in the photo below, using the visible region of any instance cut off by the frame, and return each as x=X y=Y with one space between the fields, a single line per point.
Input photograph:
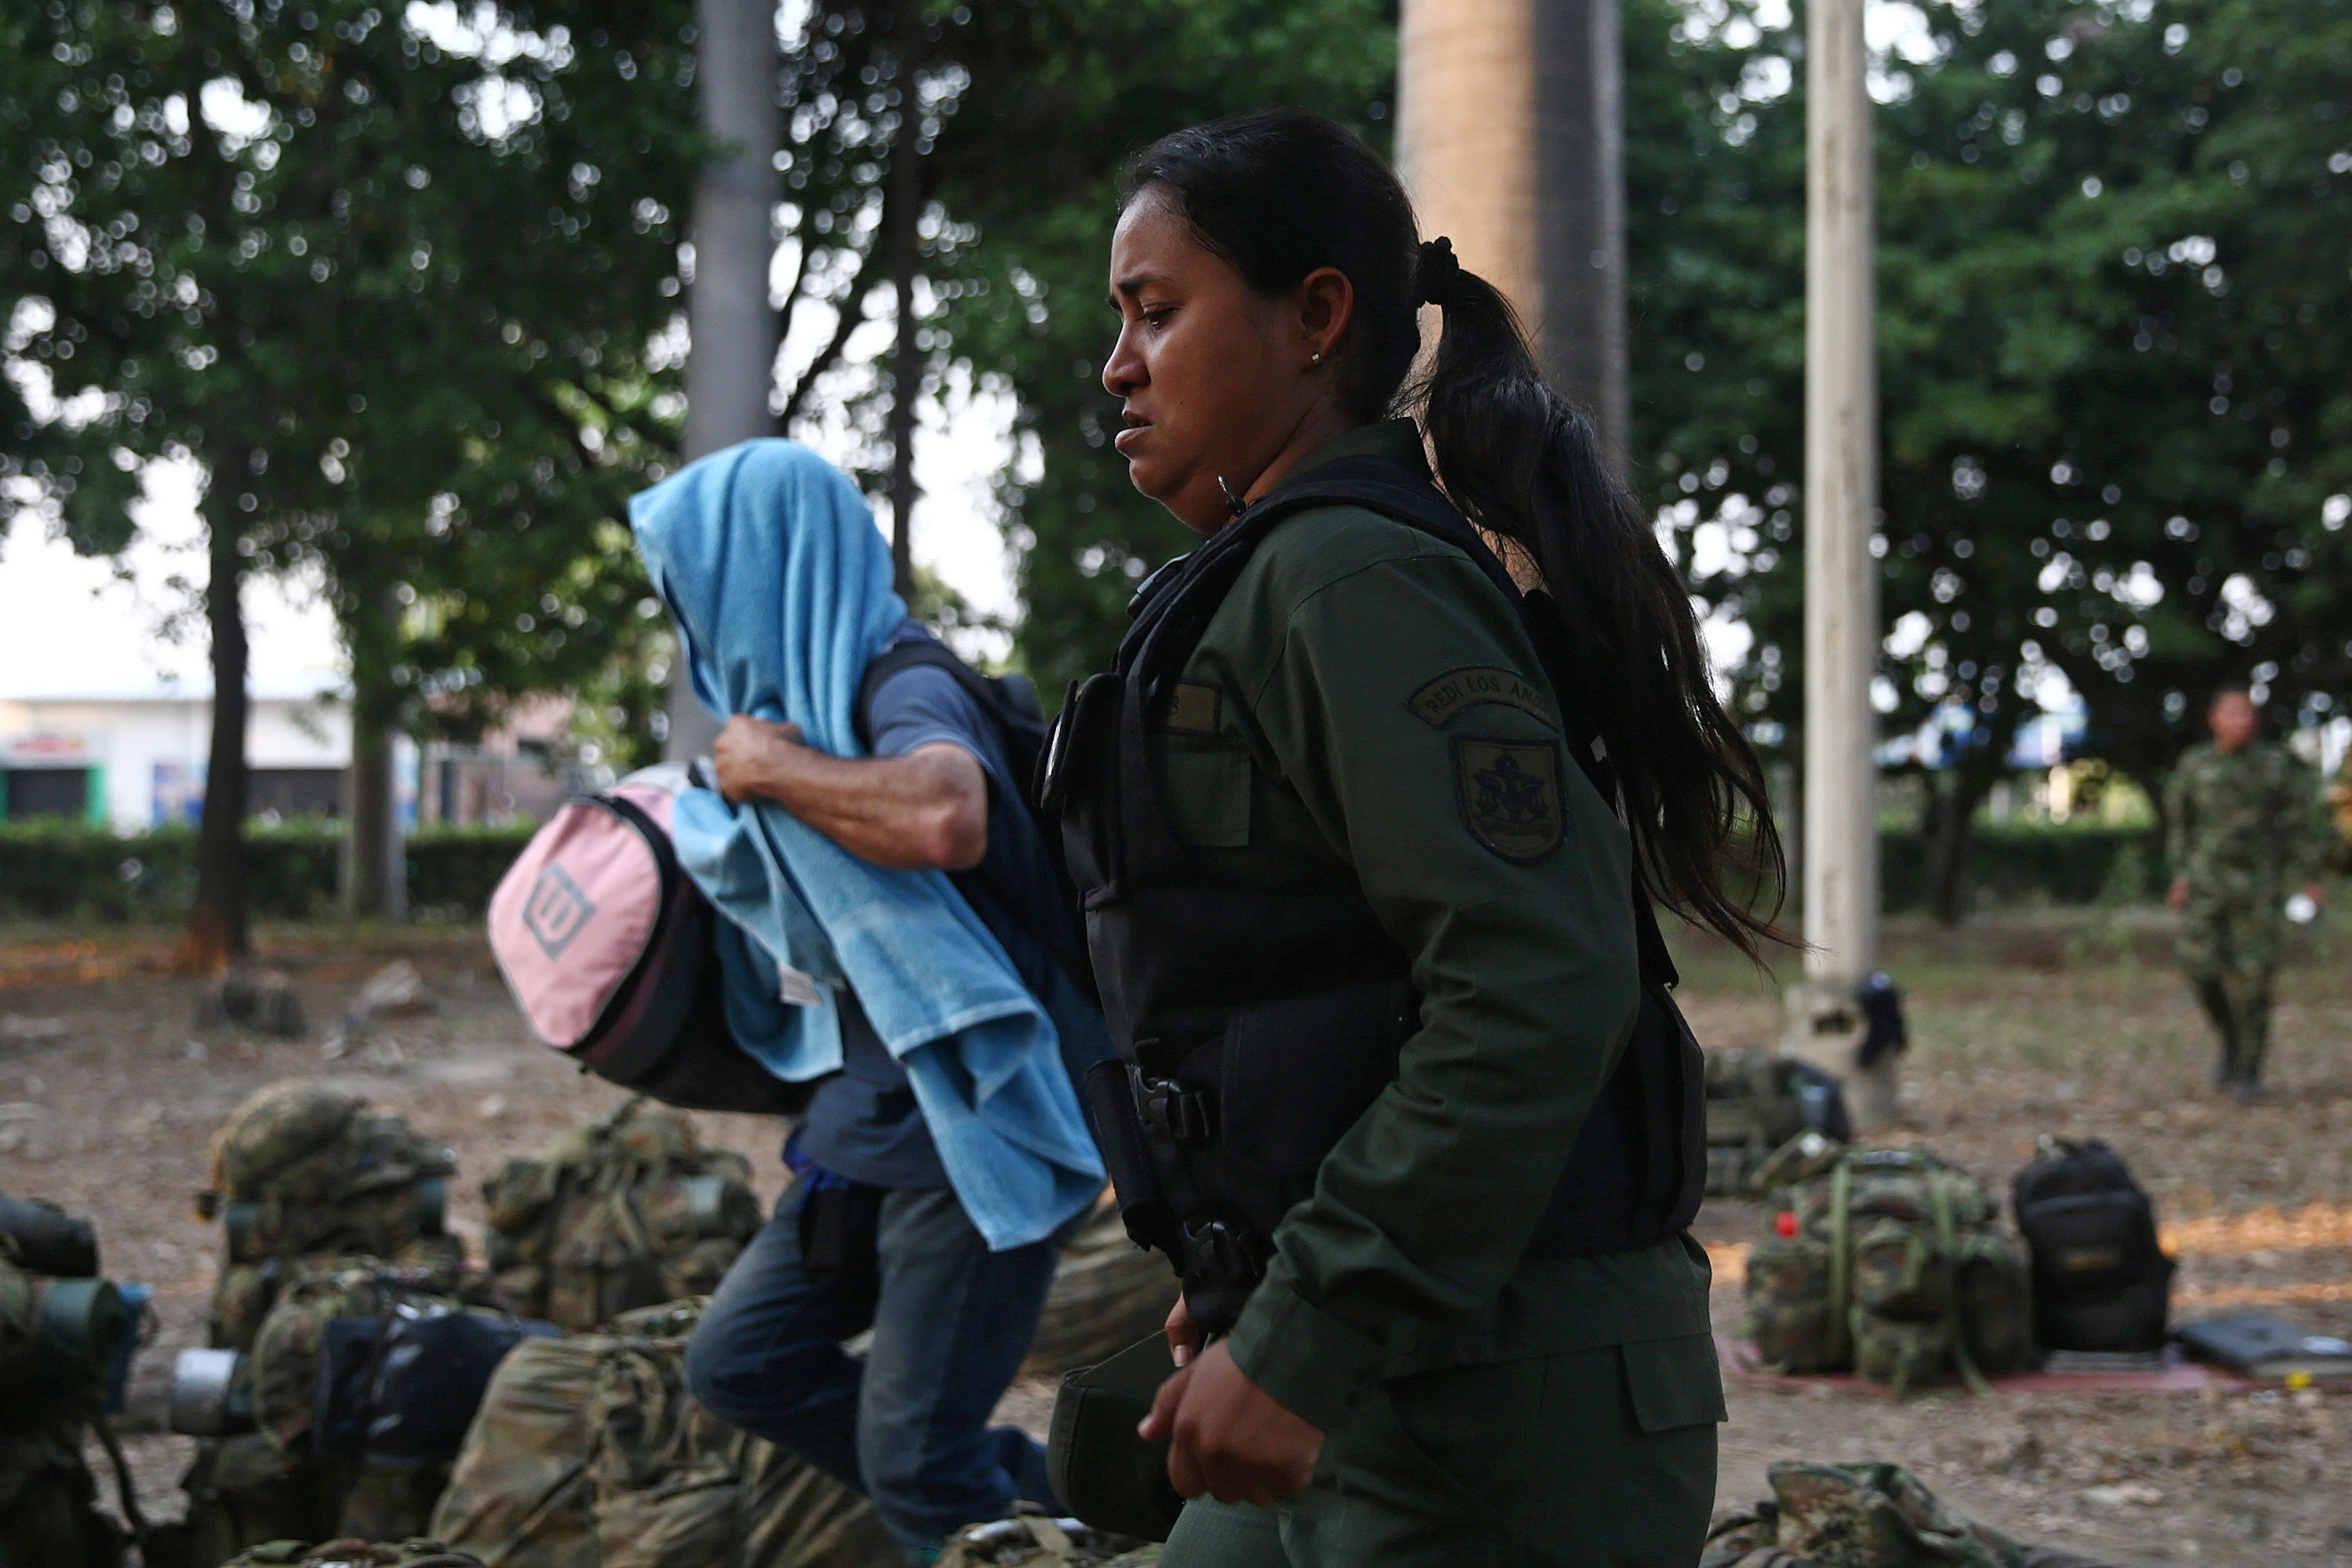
x=611 y=952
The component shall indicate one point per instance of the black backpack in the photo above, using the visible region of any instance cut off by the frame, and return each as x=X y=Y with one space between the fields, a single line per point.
x=2101 y=1282
x=1011 y=703
x=1009 y=700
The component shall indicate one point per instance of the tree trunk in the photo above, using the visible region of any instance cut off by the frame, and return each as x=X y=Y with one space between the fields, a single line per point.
x=368 y=819
x=1951 y=836
x=372 y=884
x=217 y=934
x=907 y=359
x=1510 y=136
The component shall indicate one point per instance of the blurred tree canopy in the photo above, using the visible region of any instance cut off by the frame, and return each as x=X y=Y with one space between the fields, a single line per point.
x=404 y=284
x=367 y=269
x=1023 y=116
x=2114 y=321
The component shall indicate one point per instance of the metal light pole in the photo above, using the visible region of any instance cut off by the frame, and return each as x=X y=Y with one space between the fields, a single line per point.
x=1510 y=136
x=1841 y=630
x=730 y=365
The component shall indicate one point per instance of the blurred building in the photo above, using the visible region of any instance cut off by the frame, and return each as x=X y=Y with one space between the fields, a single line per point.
x=135 y=760
x=519 y=773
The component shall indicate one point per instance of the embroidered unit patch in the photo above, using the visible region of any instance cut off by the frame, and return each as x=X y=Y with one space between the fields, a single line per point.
x=1195 y=708
x=1442 y=699
x=1510 y=794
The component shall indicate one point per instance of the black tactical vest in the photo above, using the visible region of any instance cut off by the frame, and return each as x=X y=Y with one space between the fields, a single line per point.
x=1256 y=1023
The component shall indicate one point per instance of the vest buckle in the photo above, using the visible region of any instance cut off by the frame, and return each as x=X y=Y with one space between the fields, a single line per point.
x=1181 y=1114
x=1217 y=1254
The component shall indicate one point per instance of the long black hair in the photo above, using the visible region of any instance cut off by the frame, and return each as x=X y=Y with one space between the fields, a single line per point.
x=1282 y=192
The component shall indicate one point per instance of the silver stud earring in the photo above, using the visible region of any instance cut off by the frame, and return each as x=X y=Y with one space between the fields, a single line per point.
x=1315 y=358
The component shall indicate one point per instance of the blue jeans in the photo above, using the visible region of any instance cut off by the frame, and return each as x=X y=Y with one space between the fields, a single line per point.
x=905 y=1424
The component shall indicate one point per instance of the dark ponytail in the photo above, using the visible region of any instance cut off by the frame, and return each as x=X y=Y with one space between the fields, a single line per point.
x=1280 y=194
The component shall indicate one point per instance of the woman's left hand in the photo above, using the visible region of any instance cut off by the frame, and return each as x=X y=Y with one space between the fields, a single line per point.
x=1228 y=1436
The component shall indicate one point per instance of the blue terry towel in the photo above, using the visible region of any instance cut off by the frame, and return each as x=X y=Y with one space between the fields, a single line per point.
x=780 y=586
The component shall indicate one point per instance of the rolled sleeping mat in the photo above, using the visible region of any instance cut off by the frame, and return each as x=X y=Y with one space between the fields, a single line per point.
x=718 y=1206
x=60 y=1333
x=433 y=1205
x=42 y=1238
x=208 y=1398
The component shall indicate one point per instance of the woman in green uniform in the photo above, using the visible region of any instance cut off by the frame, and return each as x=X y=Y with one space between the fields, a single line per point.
x=1367 y=821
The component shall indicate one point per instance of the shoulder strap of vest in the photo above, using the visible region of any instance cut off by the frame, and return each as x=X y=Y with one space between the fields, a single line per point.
x=1170 y=624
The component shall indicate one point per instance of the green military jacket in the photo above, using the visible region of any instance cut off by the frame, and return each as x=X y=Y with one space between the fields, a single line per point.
x=1366 y=699
x=2242 y=825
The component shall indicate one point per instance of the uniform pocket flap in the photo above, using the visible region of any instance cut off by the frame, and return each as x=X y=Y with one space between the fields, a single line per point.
x=1674 y=1383
x=1208 y=791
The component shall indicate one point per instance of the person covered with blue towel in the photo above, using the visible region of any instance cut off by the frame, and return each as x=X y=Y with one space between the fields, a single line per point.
x=904 y=946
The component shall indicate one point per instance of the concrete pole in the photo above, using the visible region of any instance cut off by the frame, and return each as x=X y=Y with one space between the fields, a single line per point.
x=1510 y=136
x=730 y=365
x=1841 y=630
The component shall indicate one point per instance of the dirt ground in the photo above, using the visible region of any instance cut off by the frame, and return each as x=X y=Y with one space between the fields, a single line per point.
x=2072 y=1025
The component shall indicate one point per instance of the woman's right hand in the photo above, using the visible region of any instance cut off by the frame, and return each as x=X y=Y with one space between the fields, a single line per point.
x=1184 y=1334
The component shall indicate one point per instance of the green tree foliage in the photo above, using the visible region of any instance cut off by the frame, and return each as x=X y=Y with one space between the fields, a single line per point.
x=389 y=276
x=1023 y=116
x=2114 y=314
x=1079 y=87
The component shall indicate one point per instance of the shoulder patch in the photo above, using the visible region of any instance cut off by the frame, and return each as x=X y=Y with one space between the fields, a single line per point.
x=1437 y=702
x=1194 y=709
x=1510 y=791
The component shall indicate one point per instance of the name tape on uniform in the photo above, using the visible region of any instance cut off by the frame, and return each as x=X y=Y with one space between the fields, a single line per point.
x=1449 y=694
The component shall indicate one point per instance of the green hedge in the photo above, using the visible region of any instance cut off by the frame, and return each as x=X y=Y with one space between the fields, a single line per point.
x=452 y=871
x=2013 y=866
x=55 y=871
x=58 y=871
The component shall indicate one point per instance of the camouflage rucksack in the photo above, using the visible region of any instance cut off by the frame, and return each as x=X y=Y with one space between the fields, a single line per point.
x=1890 y=1264
x=274 y=1484
x=302 y=1172
x=352 y=1553
x=590 y=1450
x=1854 y=1516
x=1030 y=1539
x=629 y=1211
x=1753 y=1107
x=1106 y=1294
x=56 y=1337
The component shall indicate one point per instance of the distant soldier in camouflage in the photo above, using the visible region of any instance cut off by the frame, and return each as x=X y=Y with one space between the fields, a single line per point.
x=2340 y=817
x=2241 y=827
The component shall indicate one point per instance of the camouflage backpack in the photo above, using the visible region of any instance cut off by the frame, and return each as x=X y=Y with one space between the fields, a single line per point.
x=57 y=1339
x=302 y=1172
x=1890 y=1264
x=1108 y=1293
x=1030 y=1539
x=629 y=1211
x=1858 y=1516
x=273 y=1483
x=352 y=1553
x=589 y=1451
x=1753 y=1107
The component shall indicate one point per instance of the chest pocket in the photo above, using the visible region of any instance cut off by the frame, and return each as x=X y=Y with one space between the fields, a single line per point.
x=1208 y=781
